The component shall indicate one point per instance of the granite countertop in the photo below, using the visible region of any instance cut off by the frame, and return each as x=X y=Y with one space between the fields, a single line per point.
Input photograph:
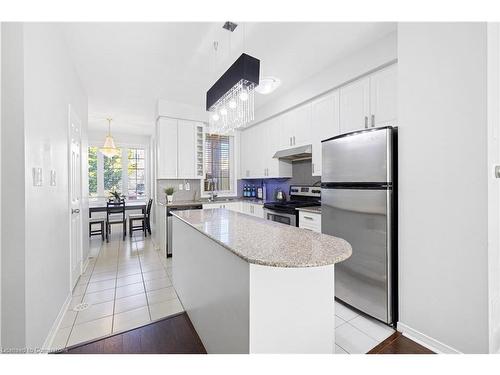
x=205 y=201
x=312 y=209
x=265 y=242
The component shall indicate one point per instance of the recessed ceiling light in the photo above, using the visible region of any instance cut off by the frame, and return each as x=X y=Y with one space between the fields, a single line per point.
x=267 y=85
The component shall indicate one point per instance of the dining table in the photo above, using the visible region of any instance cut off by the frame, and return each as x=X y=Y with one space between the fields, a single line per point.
x=100 y=206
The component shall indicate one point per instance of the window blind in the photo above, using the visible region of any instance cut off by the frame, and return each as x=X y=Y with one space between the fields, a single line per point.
x=217 y=163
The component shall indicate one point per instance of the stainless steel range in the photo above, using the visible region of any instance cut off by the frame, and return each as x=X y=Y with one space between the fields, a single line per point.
x=285 y=211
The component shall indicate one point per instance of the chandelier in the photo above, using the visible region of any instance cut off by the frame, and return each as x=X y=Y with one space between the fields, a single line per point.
x=230 y=101
x=109 y=149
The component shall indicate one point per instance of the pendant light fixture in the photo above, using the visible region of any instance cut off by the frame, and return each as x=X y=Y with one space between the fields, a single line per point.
x=109 y=149
x=230 y=101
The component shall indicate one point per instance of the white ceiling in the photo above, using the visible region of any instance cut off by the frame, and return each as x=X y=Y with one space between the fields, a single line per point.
x=126 y=67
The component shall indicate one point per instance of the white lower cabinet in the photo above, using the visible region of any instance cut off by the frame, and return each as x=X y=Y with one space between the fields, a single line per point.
x=310 y=220
x=249 y=208
x=233 y=206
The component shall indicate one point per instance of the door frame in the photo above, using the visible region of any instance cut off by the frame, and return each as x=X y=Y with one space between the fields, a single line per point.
x=493 y=114
x=72 y=115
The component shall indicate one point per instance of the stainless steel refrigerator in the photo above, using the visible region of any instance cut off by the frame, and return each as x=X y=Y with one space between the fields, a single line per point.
x=358 y=201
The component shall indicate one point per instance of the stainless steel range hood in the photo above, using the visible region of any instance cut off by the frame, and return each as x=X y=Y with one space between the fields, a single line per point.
x=295 y=153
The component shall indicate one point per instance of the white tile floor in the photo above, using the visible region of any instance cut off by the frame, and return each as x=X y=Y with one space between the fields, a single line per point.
x=355 y=333
x=126 y=284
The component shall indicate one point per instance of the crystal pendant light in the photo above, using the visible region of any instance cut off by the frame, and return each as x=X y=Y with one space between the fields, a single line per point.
x=230 y=101
x=109 y=149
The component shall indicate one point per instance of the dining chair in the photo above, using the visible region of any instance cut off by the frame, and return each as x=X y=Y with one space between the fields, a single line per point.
x=100 y=231
x=115 y=214
x=144 y=219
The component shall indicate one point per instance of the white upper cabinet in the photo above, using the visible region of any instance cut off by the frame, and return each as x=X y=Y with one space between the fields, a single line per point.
x=384 y=96
x=324 y=124
x=355 y=105
x=166 y=135
x=370 y=101
x=296 y=127
x=178 y=148
x=272 y=137
x=259 y=143
x=186 y=149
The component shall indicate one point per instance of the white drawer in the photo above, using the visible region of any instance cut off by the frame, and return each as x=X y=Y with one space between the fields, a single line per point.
x=309 y=220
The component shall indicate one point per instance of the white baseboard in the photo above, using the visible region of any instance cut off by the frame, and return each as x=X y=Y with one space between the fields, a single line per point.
x=427 y=341
x=47 y=345
x=85 y=264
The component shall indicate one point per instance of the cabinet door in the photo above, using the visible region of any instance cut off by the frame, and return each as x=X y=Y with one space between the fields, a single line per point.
x=324 y=124
x=258 y=210
x=186 y=149
x=244 y=153
x=296 y=127
x=302 y=125
x=166 y=150
x=384 y=97
x=272 y=140
x=355 y=105
x=254 y=153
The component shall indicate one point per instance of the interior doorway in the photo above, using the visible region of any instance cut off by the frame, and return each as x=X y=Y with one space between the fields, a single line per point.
x=75 y=197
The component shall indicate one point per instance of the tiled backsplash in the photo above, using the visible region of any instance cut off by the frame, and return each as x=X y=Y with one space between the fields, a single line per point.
x=179 y=195
x=302 y=175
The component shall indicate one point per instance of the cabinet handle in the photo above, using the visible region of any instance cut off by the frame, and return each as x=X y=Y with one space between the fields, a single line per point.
x=366 y=122
x=373 y=121
x=294 y=140
x=313 y=167
x=290 y=141
x=308 y=217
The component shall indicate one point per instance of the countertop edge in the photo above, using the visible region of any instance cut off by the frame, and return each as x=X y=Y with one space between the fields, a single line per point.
x=338 y=259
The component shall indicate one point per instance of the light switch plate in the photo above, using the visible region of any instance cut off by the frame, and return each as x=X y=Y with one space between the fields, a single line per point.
x=52 y=177
x=37 y=176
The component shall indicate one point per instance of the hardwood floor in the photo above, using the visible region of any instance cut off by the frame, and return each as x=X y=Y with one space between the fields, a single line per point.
x=398 y=344
x=176 y=335
x=172 y=335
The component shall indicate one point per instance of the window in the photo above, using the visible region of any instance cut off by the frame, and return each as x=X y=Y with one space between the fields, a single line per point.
x=218 y=163
x=136 y=177
x=112 y=174
x=93 y=171
x=125 y=173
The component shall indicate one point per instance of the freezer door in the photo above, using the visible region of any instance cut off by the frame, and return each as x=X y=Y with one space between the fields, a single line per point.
x=358 y=157
x=361 y=218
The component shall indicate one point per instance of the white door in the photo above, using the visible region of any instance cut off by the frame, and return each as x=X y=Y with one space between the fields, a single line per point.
x=75 y=195
x=384 y=97
x=186 y=149
x=355 y=105
x=324 y=124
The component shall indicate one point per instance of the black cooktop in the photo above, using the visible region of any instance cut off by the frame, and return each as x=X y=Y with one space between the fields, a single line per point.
x=290 y=205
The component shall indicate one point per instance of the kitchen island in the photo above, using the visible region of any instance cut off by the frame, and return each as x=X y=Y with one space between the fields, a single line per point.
x=255 y=286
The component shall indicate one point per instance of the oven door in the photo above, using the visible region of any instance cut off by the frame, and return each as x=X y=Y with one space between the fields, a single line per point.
x=280 y=217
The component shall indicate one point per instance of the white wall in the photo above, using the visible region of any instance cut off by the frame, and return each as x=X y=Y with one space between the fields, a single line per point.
x=50 y=86
x=13 y=203
x=347 y=69
x=443 y=184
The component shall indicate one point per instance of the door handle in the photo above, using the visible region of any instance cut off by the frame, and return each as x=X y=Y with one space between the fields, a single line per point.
x=75 y=210
x=373 y=121
x=366 y=122
x=497 y=171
